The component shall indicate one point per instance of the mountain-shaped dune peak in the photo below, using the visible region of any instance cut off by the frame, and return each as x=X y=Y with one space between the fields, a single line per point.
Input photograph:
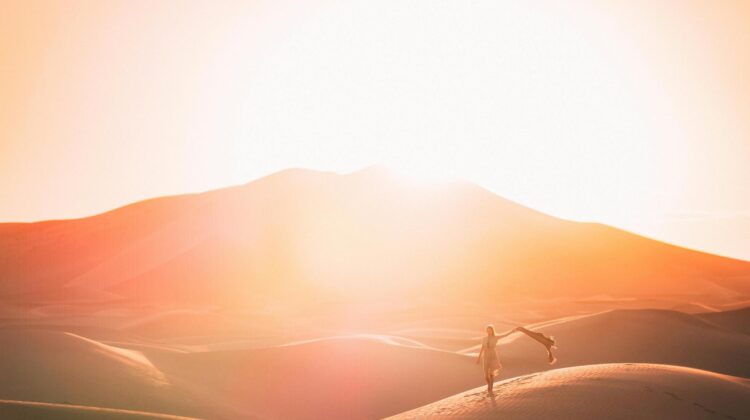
x=300 y=235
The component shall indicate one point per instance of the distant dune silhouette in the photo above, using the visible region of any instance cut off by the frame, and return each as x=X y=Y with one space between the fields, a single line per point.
x=301 y=233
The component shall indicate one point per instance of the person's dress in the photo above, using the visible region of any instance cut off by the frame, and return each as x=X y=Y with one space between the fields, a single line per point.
x=489 y=356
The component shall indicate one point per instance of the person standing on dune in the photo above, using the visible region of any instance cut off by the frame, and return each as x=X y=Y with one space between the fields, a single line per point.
x=488 y=353
x=488 y=356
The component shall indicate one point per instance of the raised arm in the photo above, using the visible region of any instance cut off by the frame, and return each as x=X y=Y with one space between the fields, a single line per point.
x=508 y=333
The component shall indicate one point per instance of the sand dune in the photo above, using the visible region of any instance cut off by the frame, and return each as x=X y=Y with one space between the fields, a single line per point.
x=611 y=391
x=58 y=367
x=31 y=410
x=173 y=324
x=265 y=381
x=645 y=335
x=227 y=374
x=737 y=319
x=344 y=377
x=649 y=336
x=298 y=235
x=337 y=376
x=314 y=295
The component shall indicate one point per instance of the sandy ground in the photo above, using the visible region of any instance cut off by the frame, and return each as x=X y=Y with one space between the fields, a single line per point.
x=27 y=410
x=65 y=368
x=219 y=369
x=611 y=391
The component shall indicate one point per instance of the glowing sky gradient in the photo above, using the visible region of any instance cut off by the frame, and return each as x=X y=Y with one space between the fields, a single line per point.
x=635 y=115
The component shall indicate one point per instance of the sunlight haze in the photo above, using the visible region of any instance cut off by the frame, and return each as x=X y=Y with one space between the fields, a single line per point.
x=603 y=112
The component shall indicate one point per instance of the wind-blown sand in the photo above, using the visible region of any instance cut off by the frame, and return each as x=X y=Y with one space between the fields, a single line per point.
x=610 y=391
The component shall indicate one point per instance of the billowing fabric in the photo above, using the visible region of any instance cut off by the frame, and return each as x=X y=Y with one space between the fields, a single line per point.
x=548 y=342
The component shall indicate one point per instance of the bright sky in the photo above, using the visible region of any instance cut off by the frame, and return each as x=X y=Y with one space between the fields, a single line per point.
x=635 y=114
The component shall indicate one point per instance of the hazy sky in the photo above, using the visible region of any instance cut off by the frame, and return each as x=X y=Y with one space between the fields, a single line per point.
x=635 y=114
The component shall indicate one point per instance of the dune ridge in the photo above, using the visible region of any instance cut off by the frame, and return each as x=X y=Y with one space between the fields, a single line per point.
x=50 y=366
x=613 y=391
x=275 y=238
x=270 y=377
x=307 y=294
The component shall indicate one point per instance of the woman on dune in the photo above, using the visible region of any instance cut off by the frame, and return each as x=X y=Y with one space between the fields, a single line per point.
x=488 y=353
x=488 y=356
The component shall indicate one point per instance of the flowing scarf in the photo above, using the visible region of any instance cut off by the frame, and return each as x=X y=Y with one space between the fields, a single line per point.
x=547 y=342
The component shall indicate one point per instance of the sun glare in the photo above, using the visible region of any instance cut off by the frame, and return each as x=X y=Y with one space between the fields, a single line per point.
x=421 y=176
x=548 y=119
x=573 y=111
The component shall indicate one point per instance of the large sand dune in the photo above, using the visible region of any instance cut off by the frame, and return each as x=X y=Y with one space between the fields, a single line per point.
x=298 y=235
x=610 y=391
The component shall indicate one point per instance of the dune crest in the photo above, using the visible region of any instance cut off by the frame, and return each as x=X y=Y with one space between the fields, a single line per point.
x=299 y=234
x=612 y=391
x=132 y=358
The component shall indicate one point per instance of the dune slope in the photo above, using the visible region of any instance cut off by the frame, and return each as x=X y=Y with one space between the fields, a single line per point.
x=302 y=234
x=30 y=410
x=344 y=377
x=650 y=336
x=63 y=368
x=643 y=335
x=737 y=319
x=611 y=391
